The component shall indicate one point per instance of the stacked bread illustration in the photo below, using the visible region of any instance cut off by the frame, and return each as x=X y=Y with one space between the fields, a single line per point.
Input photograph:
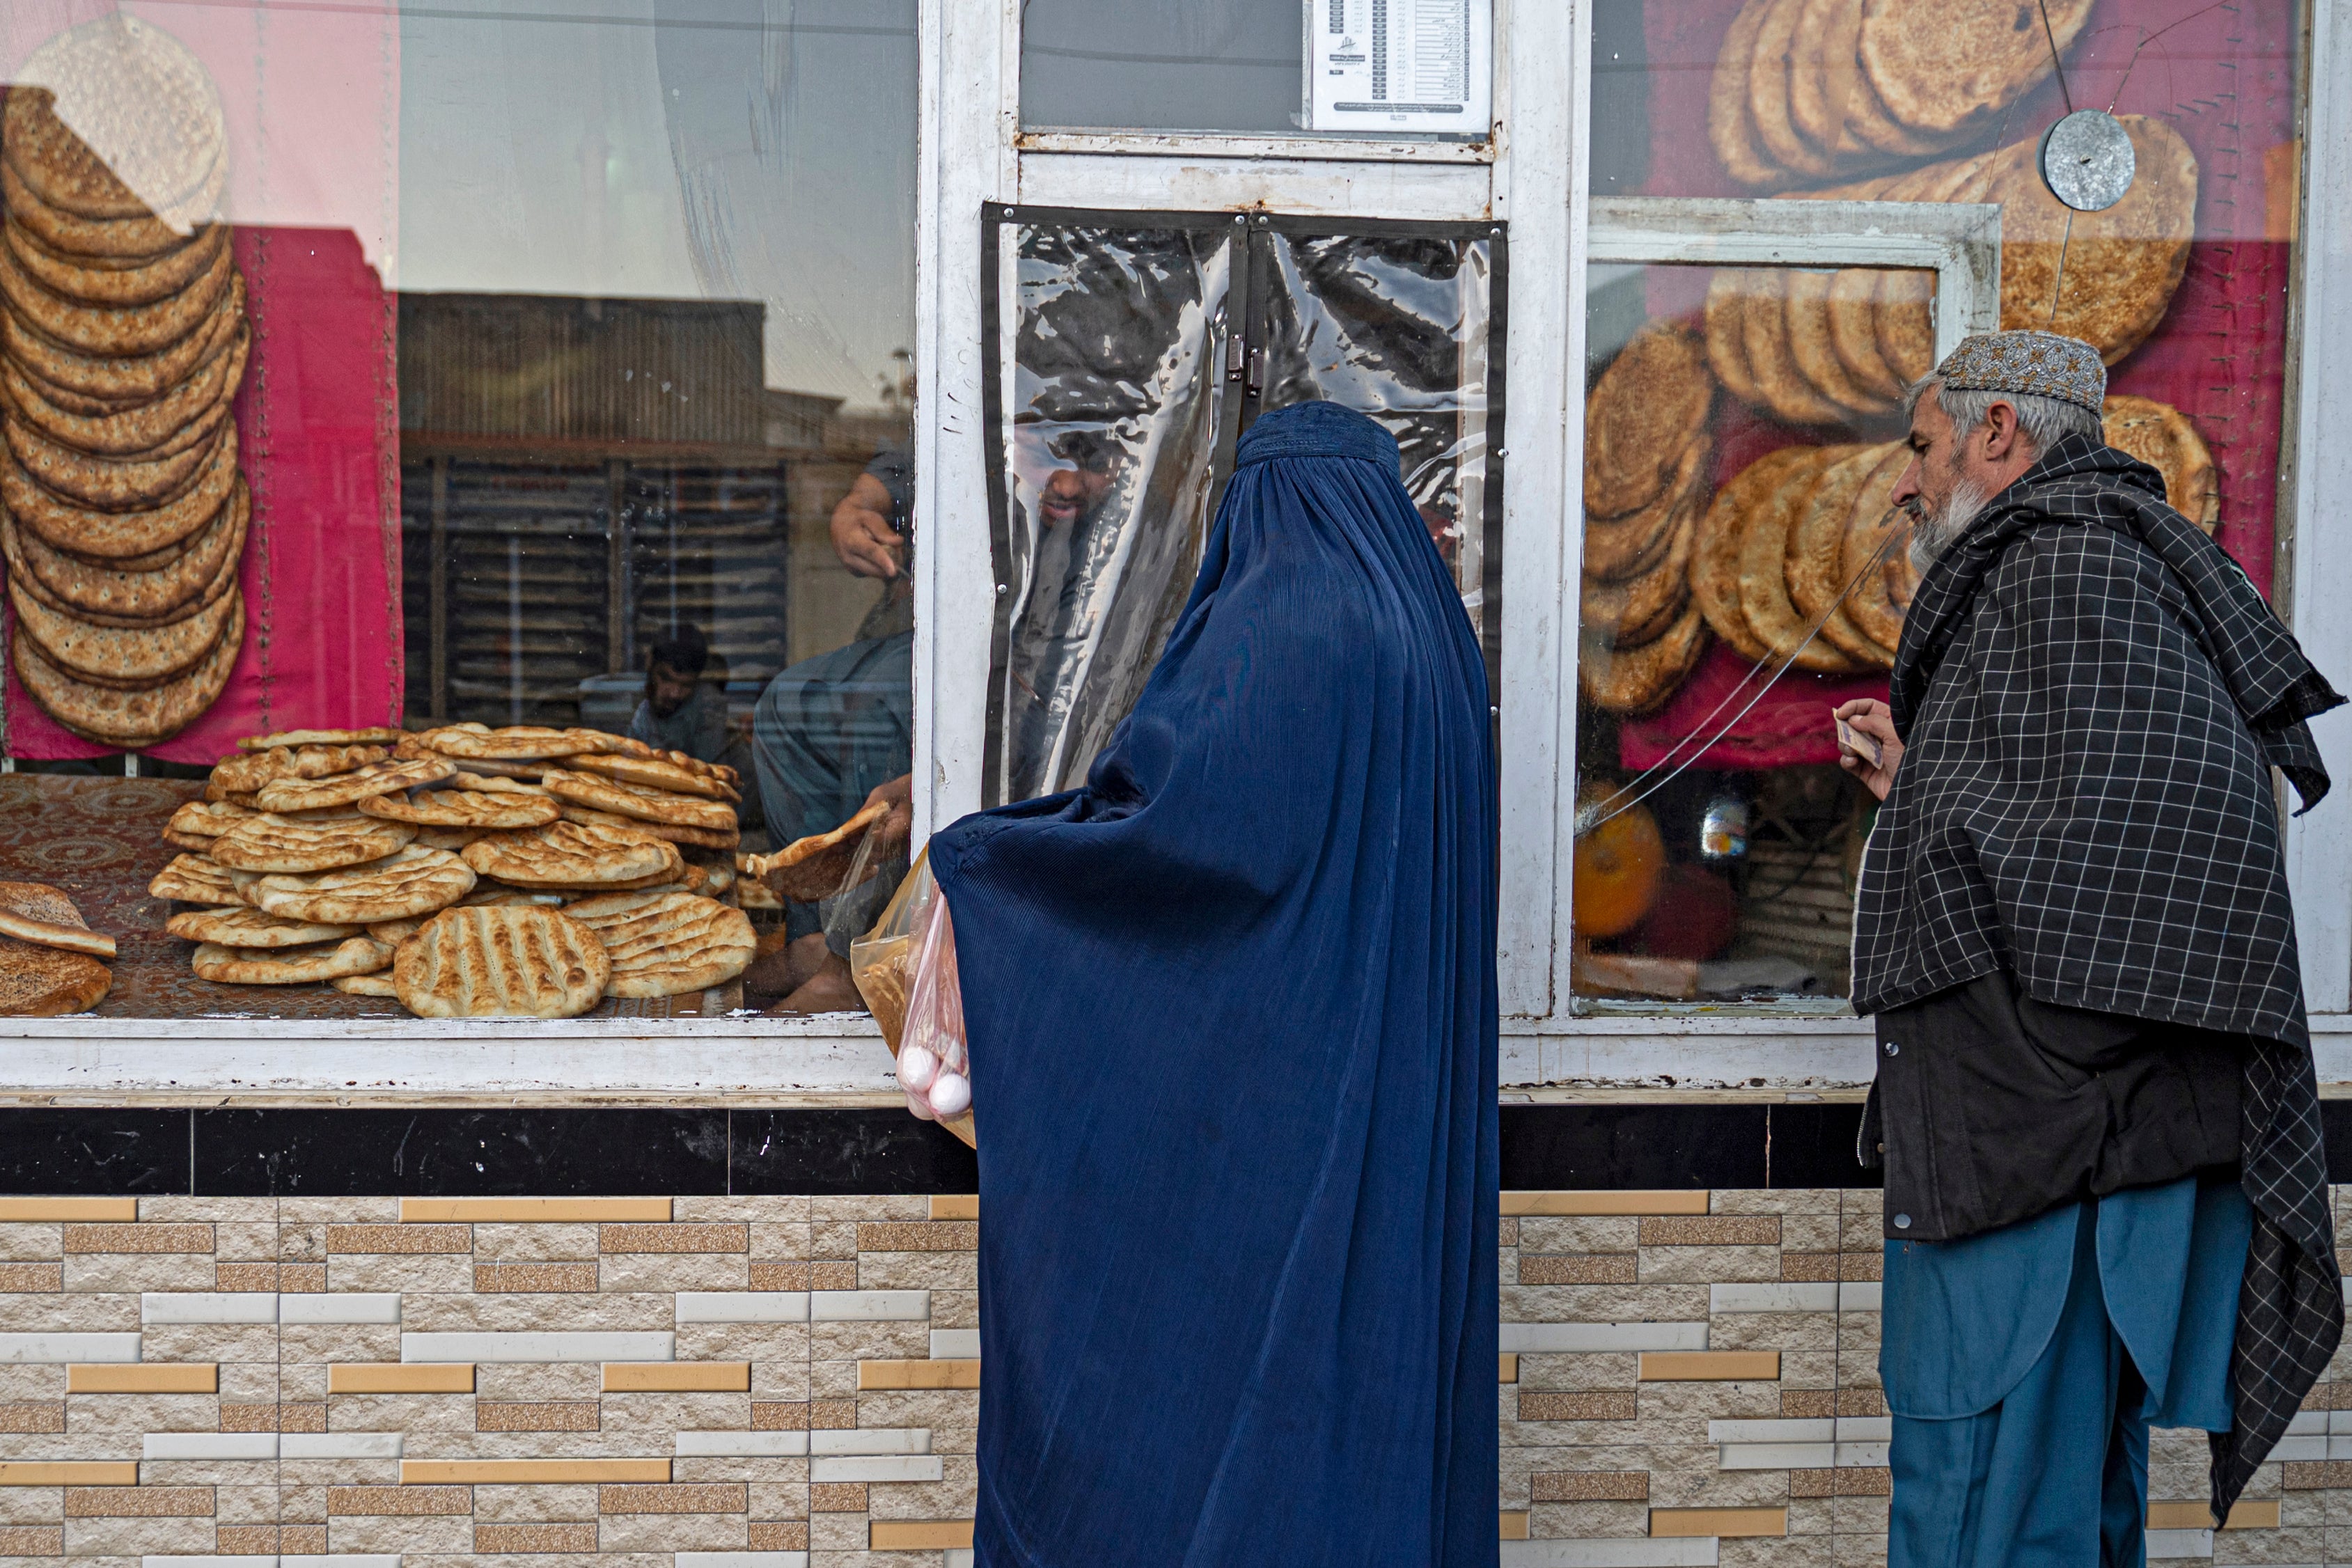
x=122 y=344
x=1802 y=558
x=1647 y=460
x=1818 y=347
x=466 y=871
x=1806 y=90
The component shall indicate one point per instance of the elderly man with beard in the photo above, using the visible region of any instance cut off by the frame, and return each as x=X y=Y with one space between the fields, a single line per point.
x=2106 y=1204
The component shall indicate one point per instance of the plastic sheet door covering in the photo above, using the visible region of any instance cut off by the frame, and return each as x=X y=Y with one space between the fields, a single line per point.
x=1127 y=350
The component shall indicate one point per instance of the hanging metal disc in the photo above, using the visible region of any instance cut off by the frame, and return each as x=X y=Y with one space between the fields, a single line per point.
x=2087 y=159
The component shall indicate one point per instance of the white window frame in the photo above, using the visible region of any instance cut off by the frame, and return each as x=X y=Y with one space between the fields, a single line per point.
x=1532 y=173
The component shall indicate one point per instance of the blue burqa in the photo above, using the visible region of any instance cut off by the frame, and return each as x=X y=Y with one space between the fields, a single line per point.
x=1232 y=1014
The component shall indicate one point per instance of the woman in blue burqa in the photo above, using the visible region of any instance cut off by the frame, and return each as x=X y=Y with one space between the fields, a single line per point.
x=1232 y=1017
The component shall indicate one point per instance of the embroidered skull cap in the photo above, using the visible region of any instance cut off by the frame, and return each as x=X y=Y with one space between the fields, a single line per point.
x=2031 y=364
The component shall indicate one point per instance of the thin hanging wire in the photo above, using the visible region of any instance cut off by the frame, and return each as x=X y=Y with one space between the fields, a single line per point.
x=1608 y=810
x=2057 y=64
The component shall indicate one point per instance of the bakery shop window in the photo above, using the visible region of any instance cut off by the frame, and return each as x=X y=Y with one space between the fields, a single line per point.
x=1384 y=69
x=1124 y=358
x=1741 y=571
x=457 y=504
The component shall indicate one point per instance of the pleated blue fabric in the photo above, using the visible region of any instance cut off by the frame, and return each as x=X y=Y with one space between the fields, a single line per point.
x=1232 y=1021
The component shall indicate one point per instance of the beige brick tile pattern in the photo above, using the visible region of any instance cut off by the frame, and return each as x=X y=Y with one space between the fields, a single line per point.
x=27 y=1277
x=565 y=1278
x=400 y=1239
x=32 y=1540
x=398 y=1502
x=32 y=1416
x=139 y=1502
x=838 y=1496
x=536 y=1415
x=779 y=1535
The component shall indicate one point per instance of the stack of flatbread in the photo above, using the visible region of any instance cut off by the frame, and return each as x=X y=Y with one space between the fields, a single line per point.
x=381 y=862
x=1810 y=535
x=1648 y=455
x=122 y=342
x=50 y=961
x=1808 y=90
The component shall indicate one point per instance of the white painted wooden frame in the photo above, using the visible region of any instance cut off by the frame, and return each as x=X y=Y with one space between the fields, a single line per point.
x=2316 y=504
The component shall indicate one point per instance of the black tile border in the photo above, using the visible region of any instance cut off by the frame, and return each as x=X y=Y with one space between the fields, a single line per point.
x=370 y=1152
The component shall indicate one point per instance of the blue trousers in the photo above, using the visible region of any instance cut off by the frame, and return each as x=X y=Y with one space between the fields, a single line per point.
x=2050 y=1468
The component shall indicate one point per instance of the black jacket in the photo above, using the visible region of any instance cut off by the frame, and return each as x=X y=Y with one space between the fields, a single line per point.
x=2092 y=696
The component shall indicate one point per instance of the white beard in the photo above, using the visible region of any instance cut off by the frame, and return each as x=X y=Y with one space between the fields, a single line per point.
x=1932 y=535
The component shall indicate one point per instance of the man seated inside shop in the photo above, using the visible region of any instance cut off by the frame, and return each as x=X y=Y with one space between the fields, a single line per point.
x=685 y=705
x=835 y=733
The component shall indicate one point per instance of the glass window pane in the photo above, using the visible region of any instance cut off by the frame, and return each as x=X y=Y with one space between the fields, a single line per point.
x=2182 y=283
x=503 y=366
x=1743 y=574
x=1379 y=68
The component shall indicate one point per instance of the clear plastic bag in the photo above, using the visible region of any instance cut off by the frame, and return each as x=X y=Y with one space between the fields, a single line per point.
x=906 y=969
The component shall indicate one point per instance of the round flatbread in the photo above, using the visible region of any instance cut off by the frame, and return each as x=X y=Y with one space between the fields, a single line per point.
x=123 y=658
x=496 y=785
x=118 y=382
x=1715 y=558
x=463 y=809
x=2162 y=437
x=113 y=329
x=1767 y=92
x=604 y=742
x=171 y=422
x=38 y=914
x=1948 y=67
x=1725 y=317
x=206 y=818
x=125 y=239
x=699 y=837
x=1833 y=29
x=1764 y=331
x=1851 y=305
x=109 y=484
x=1616 y=548
x=666 y=944
x=143 y=284
x=411 y=882
x=39 y=981
x=305 y=739
x=380 y=984
x=1805 y=309
x=574 y=854
x=509 y=961
x=653 y=773
x=1639 y=680
x=130 y=720
x=290 y=965
x=1631 y=613
x=1905 y=324
x=519 y=742
x=147 y=130
x=1818 y=583
x=1763 y=571
x=1862 y=554
x=342 y=789
x=271 y=843
x=635 y=800
x=2121 y=267
x=195 y=879
x=1643 y=414
x=251 y=770
x=141 y=540
x=115 y=597
x=814 y=868
x=1729 y=125
x=252 y=928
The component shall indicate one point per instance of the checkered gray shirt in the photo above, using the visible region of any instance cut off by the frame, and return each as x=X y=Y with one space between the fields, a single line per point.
x=2091 y=695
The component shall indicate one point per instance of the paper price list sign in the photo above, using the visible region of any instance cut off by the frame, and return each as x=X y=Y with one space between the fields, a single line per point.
x=1392 y=65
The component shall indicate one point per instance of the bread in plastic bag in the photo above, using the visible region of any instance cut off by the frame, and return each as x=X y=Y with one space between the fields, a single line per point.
x=906 y=969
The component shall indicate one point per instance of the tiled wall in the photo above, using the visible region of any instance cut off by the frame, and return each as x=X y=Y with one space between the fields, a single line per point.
x=1688 y=1377
x=742 y=1382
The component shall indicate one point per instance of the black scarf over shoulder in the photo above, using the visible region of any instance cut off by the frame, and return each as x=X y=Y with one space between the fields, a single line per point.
x=2091 y=695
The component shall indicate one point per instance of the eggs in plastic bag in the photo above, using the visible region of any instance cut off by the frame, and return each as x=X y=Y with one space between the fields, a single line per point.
x=950 y=1094
x=916 y=1067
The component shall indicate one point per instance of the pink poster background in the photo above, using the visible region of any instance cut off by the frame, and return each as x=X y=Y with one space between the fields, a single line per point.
x=2222 y=76
x=313 y=103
